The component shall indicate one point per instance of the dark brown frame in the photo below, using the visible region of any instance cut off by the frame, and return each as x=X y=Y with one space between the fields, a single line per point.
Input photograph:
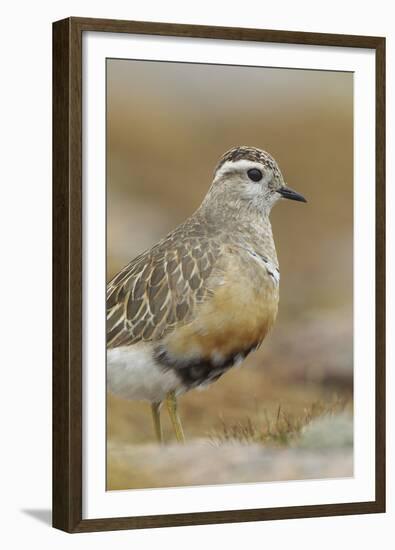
x=67 y=274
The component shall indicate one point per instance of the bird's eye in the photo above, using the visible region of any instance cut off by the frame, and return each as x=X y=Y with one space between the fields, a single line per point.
x=254 y=174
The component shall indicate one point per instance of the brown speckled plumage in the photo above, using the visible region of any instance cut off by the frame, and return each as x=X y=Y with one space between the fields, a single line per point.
x=160 y=289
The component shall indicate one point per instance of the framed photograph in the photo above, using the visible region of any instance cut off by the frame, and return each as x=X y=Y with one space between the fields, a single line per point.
x=192 y=166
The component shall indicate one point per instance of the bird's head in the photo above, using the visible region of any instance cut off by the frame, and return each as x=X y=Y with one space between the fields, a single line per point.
x=247 y=176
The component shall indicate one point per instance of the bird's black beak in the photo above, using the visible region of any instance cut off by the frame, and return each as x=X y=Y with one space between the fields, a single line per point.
x=288 y=193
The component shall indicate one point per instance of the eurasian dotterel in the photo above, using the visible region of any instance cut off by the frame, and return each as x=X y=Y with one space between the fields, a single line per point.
x=183 y=313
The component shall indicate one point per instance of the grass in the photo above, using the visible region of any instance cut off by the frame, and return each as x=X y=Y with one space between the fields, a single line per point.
x=280 y=429
x=256 y=432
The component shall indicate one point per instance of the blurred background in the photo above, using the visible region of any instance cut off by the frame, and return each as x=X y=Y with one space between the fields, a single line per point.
x=287 y=412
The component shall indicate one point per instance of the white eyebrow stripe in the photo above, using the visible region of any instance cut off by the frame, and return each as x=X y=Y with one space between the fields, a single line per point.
x=242 y=164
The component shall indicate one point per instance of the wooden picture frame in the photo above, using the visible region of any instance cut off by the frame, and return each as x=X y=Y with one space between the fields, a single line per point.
x=67 y=273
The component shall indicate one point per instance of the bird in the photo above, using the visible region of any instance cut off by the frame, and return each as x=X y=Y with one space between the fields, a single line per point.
x=184 y=312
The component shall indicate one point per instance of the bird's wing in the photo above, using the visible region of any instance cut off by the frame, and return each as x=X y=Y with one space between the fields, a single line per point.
x=159 y=289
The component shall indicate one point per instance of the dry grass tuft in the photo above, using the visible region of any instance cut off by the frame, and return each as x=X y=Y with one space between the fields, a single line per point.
x=280 y=429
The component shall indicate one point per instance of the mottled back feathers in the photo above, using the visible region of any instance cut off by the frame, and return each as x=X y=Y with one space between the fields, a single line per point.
x=161 y=288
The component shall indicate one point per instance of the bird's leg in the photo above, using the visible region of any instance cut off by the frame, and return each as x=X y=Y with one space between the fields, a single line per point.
x=171 y=402
x=155 y=408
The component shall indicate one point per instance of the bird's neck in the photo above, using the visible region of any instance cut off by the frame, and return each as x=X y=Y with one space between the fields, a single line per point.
x=256 y=233
x=247 y=227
